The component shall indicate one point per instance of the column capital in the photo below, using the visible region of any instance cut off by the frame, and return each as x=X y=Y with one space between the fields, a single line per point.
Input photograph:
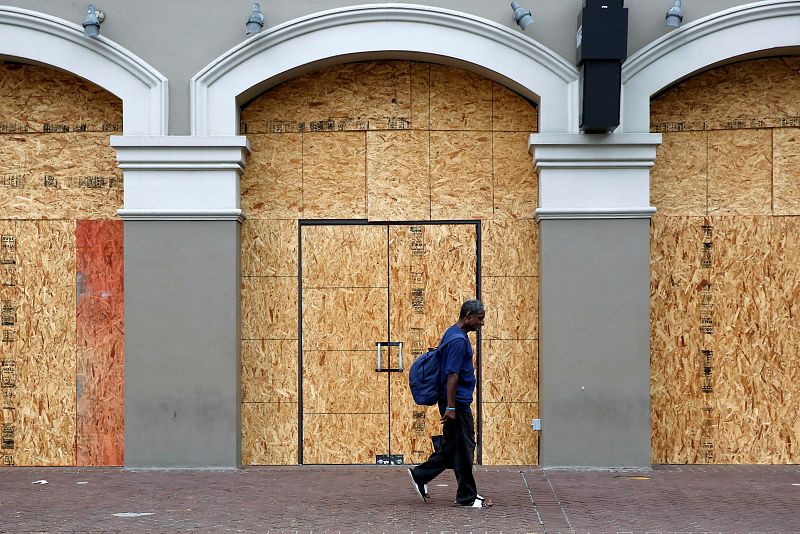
x=181 y=177
x=593 y=176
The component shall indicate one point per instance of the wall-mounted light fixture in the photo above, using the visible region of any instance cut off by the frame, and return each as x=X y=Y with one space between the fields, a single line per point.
x=256 y=20
x=674 y=15
x=91 y=24
x=522 y=16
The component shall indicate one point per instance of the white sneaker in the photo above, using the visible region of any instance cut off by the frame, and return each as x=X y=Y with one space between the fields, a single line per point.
x=421 y=489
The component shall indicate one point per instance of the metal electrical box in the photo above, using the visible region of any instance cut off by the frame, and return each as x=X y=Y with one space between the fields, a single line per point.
x=602 y=42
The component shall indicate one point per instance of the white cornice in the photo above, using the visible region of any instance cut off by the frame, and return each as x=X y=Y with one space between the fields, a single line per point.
x=594 y=151
x=53 y=41
x=644 y=212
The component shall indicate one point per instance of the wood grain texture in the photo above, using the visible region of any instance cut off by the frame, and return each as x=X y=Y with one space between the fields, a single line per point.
x=679 y=178
x=461 y=175
x=507 y=435
x=269 y=247
x=100 y=342
x=344 y=256
x=511 y=112
x=512 y=307
x=269 y=307
x=344 y=318
x=510 y=248
x=269 y=433
x=510 y=370
x=516 y=185
x=786 y=171
x=334 y=175
x=740 y=172
x=344 y=438
x=398 y=181
x=343 y=382
x=269 y=370
x=420 y=96
x=272 y=183
x=460 y=100
x=411 y=425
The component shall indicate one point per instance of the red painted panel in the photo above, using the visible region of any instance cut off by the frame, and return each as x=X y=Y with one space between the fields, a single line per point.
x=99 y=265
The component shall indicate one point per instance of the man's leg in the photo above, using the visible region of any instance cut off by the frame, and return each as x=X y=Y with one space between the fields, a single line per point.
x=439 y=460
x=464 y=444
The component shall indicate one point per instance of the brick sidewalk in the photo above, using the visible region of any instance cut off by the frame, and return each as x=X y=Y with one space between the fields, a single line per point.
x=380 y=499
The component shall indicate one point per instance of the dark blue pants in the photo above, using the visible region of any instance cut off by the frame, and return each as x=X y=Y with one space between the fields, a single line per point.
x=457 y=453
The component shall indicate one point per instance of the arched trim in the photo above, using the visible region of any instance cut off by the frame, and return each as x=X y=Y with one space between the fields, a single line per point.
x=717 y=38
x=33 y=36
x=384 y=31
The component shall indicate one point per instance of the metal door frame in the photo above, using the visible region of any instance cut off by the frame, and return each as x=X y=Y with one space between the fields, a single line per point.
x=363 y=222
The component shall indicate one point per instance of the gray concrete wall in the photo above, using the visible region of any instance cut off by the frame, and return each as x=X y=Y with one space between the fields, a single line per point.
x=180 y=37
x=594 y=362
x=182 y=365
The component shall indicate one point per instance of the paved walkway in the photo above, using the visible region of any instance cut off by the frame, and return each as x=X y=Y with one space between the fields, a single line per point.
x=380 y=499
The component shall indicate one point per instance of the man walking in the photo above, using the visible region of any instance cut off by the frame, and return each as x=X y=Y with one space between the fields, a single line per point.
x=457 y=377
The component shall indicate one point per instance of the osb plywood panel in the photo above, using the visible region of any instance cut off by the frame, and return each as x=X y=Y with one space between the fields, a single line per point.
x=349 y=96
x=460 y=100
x=344 y=438
x=269 y=433
x=269 y=307
x=783 y=371
x=510 y=370
x=511 y=112
x=737 y=95
x=461 y=175
x=269 y=248
x=411 y=425
x=272 y=183
x=343 y=382
x=786 y=171
x=46 y=176
x=432 y=272
x=344 y=318
x=420 y=96
x=44 y=418
x=740 y=172
x=398 y=183
x=677 y=285
x=344 y=256
x=743 y=351
x=100 y=341
x=509 y=248
x=269 y=370
x=507 y=435
x=11 y=298
x=334 y=175
x=516 y=185
x=679 y=178
x=38 y=99
x=512 y=307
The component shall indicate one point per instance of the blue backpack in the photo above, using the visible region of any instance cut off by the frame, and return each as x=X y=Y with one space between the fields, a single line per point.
x=424 y=375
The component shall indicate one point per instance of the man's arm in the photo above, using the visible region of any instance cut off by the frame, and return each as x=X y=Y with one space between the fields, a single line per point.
x=452 y=381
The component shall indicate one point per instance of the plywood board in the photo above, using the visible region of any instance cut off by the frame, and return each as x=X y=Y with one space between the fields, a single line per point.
x=678 y=282
x=460 y=100
x=45 y=426
x=344 y=256
x=510 y=370
x=679 y=178
x=512 y=307
x=272 y=183
x=344 y=318
x=508 y=438
x=343 y=382
x=371 y=95
x=48 y=176
x=411 y=425
x=398 y=181
x=269 y=248
x=269 y=370
x=100 y=342
x=269 y=307
x=334 y=175
x=39 y=99
x=344 y=438
x=731 y=95
x=740 y=172
x=786 y=171
x=461 y=175
x=420 y=96
x=269 y=433
x=510 y=248
x=511 y=112
x=516 y=184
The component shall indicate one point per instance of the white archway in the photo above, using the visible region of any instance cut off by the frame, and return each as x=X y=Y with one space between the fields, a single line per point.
x=736 y=32
x=384 y=31
x=33 y=36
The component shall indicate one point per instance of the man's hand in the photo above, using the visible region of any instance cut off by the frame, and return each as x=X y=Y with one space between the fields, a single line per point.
x=449 y=415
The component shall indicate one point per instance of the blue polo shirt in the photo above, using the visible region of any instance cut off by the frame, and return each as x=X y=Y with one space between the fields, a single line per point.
x=457 y=358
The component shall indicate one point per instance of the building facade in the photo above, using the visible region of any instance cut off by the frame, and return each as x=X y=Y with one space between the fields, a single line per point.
x=223 y=250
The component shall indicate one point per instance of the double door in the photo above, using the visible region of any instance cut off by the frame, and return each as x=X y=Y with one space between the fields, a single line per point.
x=374 y=297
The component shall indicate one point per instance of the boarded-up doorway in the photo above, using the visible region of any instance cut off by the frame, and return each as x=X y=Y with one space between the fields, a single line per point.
x=367 y=286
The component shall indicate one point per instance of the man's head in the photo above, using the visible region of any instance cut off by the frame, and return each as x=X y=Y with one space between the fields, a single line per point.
x=471 y=317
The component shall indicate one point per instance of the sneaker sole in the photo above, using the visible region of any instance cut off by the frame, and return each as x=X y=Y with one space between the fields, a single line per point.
x=416 y=487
